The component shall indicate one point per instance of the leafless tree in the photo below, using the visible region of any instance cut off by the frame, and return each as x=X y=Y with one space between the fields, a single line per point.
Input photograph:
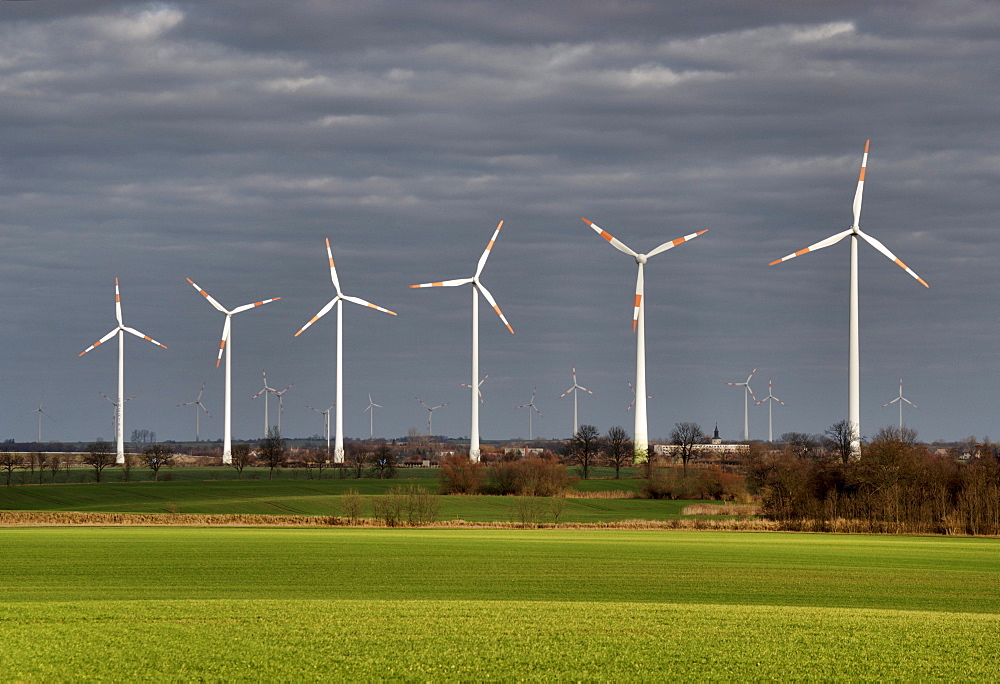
x=54 y=466
x=357 y=457
x=801 y=444
x=156 y=456
x=43 y=462
x=272 y=451
x=9 y=460
x=318 y=458
x=618 y=448
x=241 y=458
x=582 y=449
x=100 y=455
x=688 y=438
x=384 y=462
x=841 y=436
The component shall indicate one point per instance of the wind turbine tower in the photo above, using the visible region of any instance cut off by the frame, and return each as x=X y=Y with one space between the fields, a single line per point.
x=430 y=413
x=770 y=399
x=371 y=416
x=641 y=434
x=120 y=331
x=226 y=345
x=747 y=393
x=477 y=288
x=338 y=301
x=574 y=389
x=853 y=362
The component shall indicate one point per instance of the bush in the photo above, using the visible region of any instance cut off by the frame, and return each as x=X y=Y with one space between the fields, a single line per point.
x=411 y=505
x=459 y=475
x=352 y=504
x=529 y=477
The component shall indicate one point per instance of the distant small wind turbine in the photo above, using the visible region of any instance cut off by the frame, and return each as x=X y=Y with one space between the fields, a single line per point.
x=479 y=388
x=265 y=390
x=531 y=405
x=770 y=399
x=430 y=412
x=746 y=403
x=120 y=331
x=632 y=390
x=114 y=415
x=326 y=422
x=477 y=288
x=575 y=389
x=371 y=416
x=900 y=399
x=281 y=403
x=641 y=432
x=197 y=414
x=226 y=345
x=853 y=357
x=41 y=412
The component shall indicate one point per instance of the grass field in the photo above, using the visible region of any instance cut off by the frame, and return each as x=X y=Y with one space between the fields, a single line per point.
x=304 y=497
x=190 y=603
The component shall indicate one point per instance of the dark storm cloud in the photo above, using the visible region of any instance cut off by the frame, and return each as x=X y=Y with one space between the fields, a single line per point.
x=224 y=141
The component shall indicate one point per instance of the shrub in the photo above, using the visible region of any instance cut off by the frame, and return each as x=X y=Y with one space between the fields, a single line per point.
x=459 y=475
x=528 y=477
x=352 y=504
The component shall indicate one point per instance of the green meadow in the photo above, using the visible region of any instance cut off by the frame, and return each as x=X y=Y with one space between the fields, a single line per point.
x=178 y=603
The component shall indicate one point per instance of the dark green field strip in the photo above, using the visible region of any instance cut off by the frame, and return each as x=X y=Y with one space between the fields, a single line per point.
x=476 y=640
x=724 y=568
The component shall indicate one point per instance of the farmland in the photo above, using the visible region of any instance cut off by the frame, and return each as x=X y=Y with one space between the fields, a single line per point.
x=183 y=603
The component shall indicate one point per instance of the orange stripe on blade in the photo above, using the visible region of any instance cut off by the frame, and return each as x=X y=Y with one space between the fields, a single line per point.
x=607 y=236
x=489 y=246
x=638 y=298
x=867 y=142
x=802 y=251
x=862 y=176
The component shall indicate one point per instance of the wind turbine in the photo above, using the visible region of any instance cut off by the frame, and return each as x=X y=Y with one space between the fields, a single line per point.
x=641 y=434
x=371 y=416
x=265 y=390
x=338 y=449
x=114 y=415
x=632 y=390
x=430 y=412
x=854 y=363
x=746 y=410
x=574 y=389
x=326 y=422
x=479 y=388
x=120 y=331
x=226 y=345
x=477 y=287
x=281 y=403
x=41 y=412
x=770 y=399
x=900 y=399
x=197 y=414
x=531 y=405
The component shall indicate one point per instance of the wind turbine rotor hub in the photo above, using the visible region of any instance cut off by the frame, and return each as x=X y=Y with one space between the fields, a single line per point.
x=641 y=259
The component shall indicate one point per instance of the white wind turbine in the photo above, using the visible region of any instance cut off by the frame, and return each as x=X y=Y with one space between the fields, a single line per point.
x=770 y=399
x=430 y=413
x=338 y=448
x=747 y=393
x=114 y=415
x=281 y=403
x=575 y=389
x=197 y=414
x=641 y=434
x=41 y=412
x=371 y=416
x=531 y=405
x=479 y=388
x=854 y=363
x=120 y=331
x=477 y=288
x=632 y=390
x=226 y=345
x=900 y=399
x=265 y=390
x=326 y=422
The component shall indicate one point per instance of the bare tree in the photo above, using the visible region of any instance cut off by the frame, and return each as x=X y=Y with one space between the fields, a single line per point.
x=272 y=451
x=9 y=460
x=130 y=459
x=582 y=449
x=99 y=456
x=687 y=437
x=384 y=462
x=357 y=457
x=318 y=458
x=43 y=462
x=155 y=456
x=841 y=436
x=801 y=444
x=618 y=448
x=241 y=458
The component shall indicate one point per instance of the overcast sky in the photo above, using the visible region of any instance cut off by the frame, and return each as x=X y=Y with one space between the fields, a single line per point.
x=224 y=141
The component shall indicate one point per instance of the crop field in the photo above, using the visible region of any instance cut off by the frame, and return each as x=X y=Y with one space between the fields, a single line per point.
x=291 y=604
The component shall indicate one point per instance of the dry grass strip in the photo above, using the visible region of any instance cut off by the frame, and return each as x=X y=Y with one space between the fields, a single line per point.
x=722 y=509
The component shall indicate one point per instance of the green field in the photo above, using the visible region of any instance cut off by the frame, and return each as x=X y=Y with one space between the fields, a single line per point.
x=211 y=603
x=306 y=497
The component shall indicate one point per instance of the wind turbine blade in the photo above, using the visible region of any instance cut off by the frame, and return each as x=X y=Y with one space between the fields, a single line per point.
x=673 y=243
x=891 y=402
x=445 y=283
x=889 y=255
x=362 y=302
x=493 y=303
x=779 y=401
x=208 y=297
x=751 y=374
x=143 y=336
x=638 y=300
x=832 y=240
x=861 y=186
x=486 y=252
x=615 y=242
x=322 y=312
x=247 y=307
x=225 y=338
x=204 y=409
x=377 y=405
x=758 y=403
x=440 y=406
x=567 y=392
x=585 y=389
x=909 y=402
x=118 y=303
x=100 y=341
x=420 y=401
x=333 y=268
